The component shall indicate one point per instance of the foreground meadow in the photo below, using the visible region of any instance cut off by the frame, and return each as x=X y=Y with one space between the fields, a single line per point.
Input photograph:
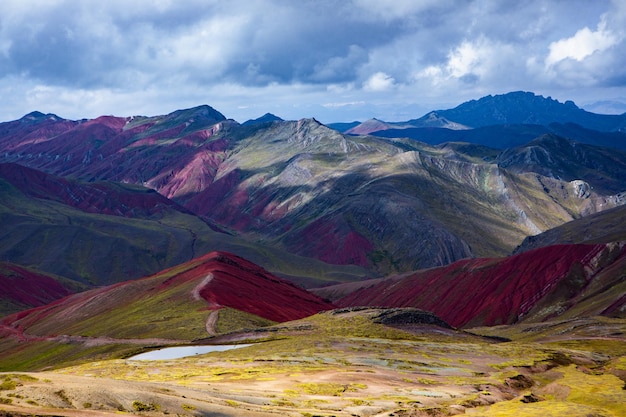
x=351 y=363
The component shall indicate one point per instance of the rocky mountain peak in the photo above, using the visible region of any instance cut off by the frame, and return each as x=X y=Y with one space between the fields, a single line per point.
x=37 y=116
x=266 y=118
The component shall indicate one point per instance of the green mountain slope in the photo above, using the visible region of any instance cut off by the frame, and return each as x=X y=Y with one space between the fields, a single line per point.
x=98 y=249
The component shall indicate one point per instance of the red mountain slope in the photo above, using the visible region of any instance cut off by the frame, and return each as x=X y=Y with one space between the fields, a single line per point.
x=102 y=197
x=24 y=288
x=164 y=152
x=162 y=304
x=34 y=128
x=231 y=281
x=534 y=285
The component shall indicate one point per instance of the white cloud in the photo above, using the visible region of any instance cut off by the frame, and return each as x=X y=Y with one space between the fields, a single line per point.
x=379 y=82
x=583 y=44
x=469 y=61
x=344 y=104
x=464 y=59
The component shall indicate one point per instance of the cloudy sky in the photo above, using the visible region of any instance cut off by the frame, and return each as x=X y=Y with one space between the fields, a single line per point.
x=335 y=60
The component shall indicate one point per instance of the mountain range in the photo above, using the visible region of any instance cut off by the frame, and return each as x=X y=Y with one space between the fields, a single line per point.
x=503 y=121
x=492 y=234
x=353 y=206
x=302 y=188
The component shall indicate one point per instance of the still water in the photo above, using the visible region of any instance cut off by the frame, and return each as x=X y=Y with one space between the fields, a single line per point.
x=181 y=352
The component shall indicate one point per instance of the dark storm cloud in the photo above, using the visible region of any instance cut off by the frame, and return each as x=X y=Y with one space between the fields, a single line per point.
x=69 y=43
x=363 y=54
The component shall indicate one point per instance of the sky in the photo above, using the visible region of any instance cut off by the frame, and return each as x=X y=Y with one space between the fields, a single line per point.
x=334 y=60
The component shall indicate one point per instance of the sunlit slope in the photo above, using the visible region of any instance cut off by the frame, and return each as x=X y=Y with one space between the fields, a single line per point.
x=367 y=201
x=103 y=232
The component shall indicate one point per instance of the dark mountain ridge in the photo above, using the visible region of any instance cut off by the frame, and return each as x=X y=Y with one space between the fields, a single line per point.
x=504 y=121
x=604 y=227
x=556 y=157
x=126 y=200
x=507 y=136
x=525 y=108
x=266 y=118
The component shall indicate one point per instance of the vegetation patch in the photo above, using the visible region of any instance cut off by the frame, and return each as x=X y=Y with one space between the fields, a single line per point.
x=329 y=388
x=7 y=385
x=232 y=320
x=139 y=406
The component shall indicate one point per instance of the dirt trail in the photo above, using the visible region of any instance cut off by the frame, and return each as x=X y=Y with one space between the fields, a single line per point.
x=200 y=286
x=213 y=316
x=7 y=331
x=211 y=321
x=103 y=340
x=17 y=333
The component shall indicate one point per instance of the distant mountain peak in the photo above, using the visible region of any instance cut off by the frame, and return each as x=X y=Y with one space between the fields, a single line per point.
x=34 y=115
x=527 y=108
x=39 y=116
x=203 y=110
x=266 y=118
x=521 y=97
x=369 y=126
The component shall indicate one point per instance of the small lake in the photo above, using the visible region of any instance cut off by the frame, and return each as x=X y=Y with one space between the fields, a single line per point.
x=181 y=352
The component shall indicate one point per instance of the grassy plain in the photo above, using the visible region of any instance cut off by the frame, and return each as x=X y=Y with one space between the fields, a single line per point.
x=346 y=363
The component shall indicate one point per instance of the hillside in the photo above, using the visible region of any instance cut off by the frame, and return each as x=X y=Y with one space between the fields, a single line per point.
x=542 y=284
x=22 y=288
x=604 y=227
x=553 y=156
x=212 y=294
x=99 y=233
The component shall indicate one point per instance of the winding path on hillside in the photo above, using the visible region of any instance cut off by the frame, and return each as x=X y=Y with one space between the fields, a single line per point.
x=211 y=321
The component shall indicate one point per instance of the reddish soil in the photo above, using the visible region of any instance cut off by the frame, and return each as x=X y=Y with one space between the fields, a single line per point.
x=222 y=279
x=242 y=285
x=336 y=243
x=103 y=198
x=28 y=288
x=485 y=291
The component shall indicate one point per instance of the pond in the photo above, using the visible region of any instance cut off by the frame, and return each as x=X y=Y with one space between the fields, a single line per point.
x=181 y=352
